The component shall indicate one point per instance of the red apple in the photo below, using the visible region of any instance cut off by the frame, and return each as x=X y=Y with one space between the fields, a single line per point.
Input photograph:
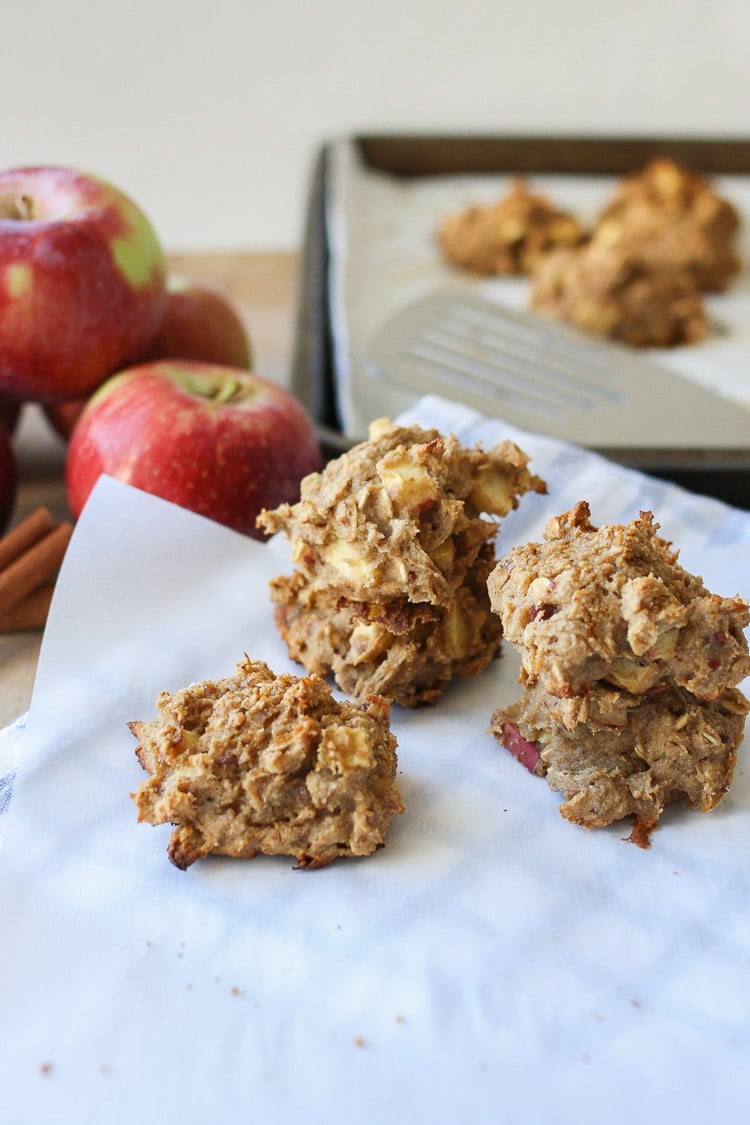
x=82 y=283
x=218 y=440
x=199 y=323
x=8 y=478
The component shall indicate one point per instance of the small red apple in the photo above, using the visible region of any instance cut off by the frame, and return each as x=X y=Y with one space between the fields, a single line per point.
x=218 y=440
x=201 y=324
x=8 y=478
x=82 y=283
x=198 y=324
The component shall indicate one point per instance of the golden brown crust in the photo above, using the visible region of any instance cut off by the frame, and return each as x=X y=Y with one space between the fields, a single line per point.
x=508 y=236
x=259 y=763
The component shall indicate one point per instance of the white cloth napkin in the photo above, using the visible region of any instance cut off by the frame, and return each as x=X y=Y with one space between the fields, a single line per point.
x=491 y=963
x=11 y=738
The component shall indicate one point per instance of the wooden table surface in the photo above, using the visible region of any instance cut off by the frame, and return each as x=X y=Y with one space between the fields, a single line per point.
x=263 y=288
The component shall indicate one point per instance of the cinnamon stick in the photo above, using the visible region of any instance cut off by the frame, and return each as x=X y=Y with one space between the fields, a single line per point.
x=28 y=532
x=31 y=613
x=35 y=566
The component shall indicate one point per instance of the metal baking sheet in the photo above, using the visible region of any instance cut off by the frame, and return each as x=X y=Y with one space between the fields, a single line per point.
x=374 y=205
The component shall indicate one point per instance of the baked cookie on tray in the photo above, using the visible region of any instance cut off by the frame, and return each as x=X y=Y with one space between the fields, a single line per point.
x=259 y=763
x=615 y=291
x=629 y=667
x=508 y=236
x=392 y=544
x=667 y=215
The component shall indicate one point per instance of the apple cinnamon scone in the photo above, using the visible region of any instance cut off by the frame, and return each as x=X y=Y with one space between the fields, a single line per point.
x=263 y=764
x=629 y=667
x=667 y=215
x=405 y=651
x=613 y=604
x=614 y=291
x=508 y=236
x=392 y=547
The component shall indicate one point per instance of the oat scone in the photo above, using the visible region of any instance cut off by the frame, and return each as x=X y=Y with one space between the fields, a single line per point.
x=405 y=651
x=613 y=604
x=391 y=545
x=263 y=764
x=629 y=668
x=616 y=292
x=508 y=236
x=667 y=215
x=614 y=755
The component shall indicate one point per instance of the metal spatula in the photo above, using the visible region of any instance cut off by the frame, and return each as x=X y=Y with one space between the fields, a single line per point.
x=543 y=376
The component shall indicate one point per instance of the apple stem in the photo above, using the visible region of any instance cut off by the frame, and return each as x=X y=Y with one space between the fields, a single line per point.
x=217 y=391
x=19 y=208
x=227 y=391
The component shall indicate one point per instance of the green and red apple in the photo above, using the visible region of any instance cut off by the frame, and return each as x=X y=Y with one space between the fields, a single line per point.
x=220 y=441
x=82 y=283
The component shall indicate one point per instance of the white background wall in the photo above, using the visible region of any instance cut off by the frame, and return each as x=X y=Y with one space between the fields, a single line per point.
x=209 y=113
